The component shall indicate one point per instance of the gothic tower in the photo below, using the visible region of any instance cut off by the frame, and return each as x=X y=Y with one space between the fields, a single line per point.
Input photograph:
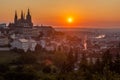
x=16 y=17
x=23 y=21
x=22 y=16
x=28 y=17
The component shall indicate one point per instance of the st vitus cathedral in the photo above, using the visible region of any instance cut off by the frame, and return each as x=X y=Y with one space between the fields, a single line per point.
x=24 y=21
x=24 y=26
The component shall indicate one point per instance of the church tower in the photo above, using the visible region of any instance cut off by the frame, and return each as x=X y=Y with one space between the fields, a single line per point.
x=22 y=16
x=28 y=17
x=16 y=17
x=24 y=22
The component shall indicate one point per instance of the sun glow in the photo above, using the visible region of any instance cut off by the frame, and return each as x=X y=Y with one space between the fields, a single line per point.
x=70 y=20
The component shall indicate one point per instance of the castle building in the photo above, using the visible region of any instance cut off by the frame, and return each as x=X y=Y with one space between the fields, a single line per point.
x=23 y=21
x=24 y=25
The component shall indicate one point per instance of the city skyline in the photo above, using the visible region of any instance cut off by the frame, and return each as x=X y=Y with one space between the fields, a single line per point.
x=103 y=13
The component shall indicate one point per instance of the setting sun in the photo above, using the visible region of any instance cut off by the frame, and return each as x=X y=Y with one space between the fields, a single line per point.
x=70 y=20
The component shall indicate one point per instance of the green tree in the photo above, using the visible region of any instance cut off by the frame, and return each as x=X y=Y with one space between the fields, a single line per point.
x=59 y=59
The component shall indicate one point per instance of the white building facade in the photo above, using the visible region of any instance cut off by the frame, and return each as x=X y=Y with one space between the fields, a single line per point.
x=24 y=44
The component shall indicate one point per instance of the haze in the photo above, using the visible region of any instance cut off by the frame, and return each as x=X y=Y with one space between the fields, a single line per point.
x=86 y=13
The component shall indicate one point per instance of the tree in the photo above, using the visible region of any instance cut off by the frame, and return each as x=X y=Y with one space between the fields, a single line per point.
x=98 y=66
x=107 y=59
x=38 y=49
x=106 y=75
x=83 y=63
x=70 y=61
x=20 y=76
x=59 y=59
x=4 y=68
x=117 y=63
x=27 y=59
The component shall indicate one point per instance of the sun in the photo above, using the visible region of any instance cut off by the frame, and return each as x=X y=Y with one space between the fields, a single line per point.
x=70 y=20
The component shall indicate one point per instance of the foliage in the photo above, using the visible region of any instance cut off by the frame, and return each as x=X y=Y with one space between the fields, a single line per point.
x=26 y=67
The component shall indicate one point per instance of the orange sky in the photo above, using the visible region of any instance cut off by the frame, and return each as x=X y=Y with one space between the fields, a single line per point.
x=95 y=13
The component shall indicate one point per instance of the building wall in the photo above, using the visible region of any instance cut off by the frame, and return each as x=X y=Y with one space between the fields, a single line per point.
x=4 y=41
x=30 y=44
x=3 y=26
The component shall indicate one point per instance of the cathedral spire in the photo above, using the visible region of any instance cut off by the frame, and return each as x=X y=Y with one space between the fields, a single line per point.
x=24 y=20
x=28 y=12
x=16 y=17
x=22 y=15
x=28 y=16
